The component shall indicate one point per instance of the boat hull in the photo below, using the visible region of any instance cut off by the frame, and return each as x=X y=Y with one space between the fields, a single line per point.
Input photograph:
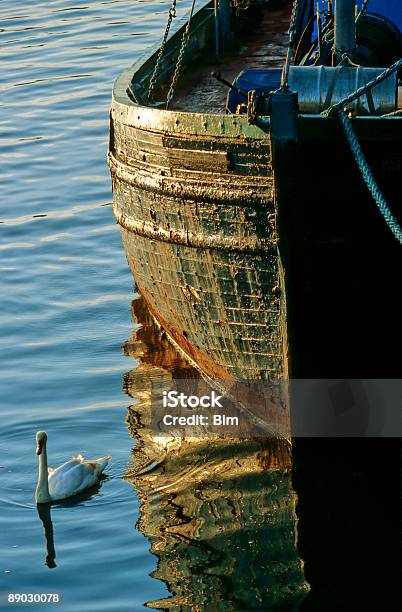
x=199 y=228
x=197 y=198
x=258 y=267
x=342 y=262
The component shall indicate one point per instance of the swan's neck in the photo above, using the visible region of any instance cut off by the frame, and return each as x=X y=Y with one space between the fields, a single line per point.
x=42 y=488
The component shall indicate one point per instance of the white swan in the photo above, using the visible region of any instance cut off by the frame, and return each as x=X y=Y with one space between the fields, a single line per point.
x=71 y=478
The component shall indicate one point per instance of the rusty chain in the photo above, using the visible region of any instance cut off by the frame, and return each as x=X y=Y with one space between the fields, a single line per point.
x=152 y=80
x=184 y=42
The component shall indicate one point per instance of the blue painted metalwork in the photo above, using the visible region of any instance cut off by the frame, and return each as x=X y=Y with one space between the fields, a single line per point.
x=345 y=27
x=389 y=8
x=262 y=81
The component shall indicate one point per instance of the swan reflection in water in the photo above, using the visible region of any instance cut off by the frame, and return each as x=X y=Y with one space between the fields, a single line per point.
x=44 y=513
x=46 y=518
x=219 y=513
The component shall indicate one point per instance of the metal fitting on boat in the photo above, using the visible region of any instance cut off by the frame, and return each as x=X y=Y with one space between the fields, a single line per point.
x=283 y=108
x=319 y=87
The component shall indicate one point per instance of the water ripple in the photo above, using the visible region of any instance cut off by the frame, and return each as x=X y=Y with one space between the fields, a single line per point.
x=66 y=296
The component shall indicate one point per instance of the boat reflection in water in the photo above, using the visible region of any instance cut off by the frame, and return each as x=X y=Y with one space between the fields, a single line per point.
x=219 y=513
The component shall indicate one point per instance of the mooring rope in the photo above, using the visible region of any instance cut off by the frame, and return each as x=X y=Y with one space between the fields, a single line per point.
x=362 y=10
x=369 y=177
x=340 y=109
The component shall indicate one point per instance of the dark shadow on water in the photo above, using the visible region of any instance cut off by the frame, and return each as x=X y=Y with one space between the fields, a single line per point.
x=44 y=513
x=349 y=522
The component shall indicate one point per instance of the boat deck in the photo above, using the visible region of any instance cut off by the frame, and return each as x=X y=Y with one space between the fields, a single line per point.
x=198 y=91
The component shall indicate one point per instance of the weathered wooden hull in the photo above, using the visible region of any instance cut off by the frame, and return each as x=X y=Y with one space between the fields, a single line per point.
x=193 y=194
x=198 y=225
x=212 y=227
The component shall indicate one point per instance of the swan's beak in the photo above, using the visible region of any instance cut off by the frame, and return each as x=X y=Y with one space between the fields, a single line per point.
x=41 y=438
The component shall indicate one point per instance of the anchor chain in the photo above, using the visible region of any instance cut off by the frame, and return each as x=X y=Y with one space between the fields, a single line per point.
x=184 y=42
x=152 y=80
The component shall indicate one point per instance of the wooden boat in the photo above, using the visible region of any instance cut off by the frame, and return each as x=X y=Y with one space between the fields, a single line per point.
x=251 y=234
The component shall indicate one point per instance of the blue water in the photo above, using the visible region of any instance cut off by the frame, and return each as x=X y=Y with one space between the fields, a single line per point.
x=220 y=541
x=65 y=298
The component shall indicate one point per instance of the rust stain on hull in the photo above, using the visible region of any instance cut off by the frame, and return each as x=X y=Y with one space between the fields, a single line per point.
x=273 y=411
x=198 y=357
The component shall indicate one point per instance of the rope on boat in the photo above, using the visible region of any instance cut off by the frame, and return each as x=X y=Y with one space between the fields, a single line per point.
x=362 y=10
x=152 y=80
x=369 y=177
x=292 y=41
x=357 y=151
x=362 y=90
x=184 y=42
x=339 y=108
x=328 y=33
